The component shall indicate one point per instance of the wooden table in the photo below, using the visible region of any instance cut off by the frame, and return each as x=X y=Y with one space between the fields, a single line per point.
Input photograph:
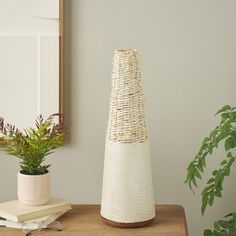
x=85 y=220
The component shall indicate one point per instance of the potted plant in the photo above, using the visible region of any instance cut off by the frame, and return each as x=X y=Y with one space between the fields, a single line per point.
x=32 y=146
x=224 y=132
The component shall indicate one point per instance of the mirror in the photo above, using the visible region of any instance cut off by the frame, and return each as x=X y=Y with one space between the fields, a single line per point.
x=31 y=60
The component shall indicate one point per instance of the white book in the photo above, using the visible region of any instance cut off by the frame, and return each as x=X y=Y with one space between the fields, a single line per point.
x=37 y=223
x=15 y=211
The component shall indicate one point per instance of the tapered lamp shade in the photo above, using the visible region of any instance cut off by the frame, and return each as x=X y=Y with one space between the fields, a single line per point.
x=127 y=194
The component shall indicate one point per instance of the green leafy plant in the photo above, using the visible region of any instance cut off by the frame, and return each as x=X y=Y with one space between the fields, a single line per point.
x=225 y=227
x=225 y=132
x=32 y=145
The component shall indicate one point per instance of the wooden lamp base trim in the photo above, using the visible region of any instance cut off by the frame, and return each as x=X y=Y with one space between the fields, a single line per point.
x=127 y=225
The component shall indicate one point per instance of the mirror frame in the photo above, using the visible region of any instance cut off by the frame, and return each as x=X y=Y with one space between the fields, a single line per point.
x=61 y=61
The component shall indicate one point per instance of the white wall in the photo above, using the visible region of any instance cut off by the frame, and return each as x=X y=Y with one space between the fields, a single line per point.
x=188 y=55
x=29 y=17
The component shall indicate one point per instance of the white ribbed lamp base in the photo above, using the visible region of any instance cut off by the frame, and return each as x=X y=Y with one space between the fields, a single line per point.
x=127 y=195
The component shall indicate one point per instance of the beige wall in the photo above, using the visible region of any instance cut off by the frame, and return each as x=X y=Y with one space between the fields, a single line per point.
x=188 y=55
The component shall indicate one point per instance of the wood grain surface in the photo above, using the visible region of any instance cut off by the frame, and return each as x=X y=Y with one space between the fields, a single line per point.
x=85 y=220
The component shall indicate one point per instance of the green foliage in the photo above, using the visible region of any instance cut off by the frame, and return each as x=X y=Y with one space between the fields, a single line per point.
x=224 y=132
x=225 y=227
x=32 y=145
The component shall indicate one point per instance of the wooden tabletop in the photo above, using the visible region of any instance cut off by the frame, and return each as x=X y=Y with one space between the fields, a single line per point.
x=85 y=220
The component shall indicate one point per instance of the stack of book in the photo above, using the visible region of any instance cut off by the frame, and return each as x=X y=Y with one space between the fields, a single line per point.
x=15 y=215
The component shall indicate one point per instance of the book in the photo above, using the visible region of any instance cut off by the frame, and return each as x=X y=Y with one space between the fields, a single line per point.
x=37 y=223
x=17 y=212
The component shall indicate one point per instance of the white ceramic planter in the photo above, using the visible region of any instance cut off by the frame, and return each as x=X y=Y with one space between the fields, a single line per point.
x=33 y=189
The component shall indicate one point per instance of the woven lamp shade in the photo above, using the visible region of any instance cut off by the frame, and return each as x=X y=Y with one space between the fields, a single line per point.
x=127 y=194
